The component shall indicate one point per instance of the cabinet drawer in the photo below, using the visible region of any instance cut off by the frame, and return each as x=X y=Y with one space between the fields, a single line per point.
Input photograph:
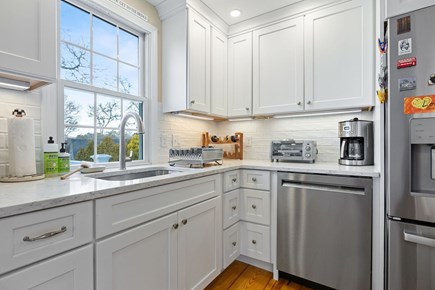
x=34 y=236
x=255 y=241
x=256 y=179
x=123 y=211
x=73 y=271
x=231 y=180
x=231 y=244
x=231 y=208
x=255 y=206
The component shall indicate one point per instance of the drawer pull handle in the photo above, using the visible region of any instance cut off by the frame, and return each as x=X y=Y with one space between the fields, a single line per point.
x=234 y=207
x=254 y=206
x=234 y=179
x=254 y=179
x=184 y=221
x=234 y=244
x=254 y=242
x=45 y=236
x=175 y=226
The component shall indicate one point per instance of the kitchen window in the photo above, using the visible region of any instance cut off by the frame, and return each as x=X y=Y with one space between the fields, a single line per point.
x=102 y=76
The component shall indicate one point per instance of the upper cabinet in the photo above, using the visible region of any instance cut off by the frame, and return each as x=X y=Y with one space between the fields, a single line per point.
x=278 y=68
x=219 y=73
x=339 y=57
x=397 y=7
x=240 y=75
x=28 y=39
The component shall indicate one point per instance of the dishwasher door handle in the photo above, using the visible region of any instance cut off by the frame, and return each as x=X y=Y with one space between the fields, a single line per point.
x=419 y=240
x=329 y=188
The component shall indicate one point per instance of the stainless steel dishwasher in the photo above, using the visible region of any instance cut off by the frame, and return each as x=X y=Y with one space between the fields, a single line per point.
x=325 y=229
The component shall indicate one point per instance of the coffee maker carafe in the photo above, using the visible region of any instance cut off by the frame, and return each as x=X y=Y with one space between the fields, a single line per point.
x=356 y=142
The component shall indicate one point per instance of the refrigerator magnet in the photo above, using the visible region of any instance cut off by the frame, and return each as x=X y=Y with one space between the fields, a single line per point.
x=419 y=105
x=431 y=81
x=404 y=25
x=407 y=84
x=405 y=46
x=406 y=62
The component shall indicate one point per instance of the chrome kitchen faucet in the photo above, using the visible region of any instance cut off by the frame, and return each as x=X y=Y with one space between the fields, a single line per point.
x=140 y=130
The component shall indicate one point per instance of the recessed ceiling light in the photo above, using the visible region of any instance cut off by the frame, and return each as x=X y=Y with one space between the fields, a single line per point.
x=235 y=13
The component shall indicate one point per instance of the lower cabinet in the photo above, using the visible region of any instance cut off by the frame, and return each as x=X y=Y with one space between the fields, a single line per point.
x=231 y=244
x=70 y=271
x=179 y=251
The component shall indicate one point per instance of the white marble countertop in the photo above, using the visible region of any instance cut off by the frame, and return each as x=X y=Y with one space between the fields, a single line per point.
x=18 y=198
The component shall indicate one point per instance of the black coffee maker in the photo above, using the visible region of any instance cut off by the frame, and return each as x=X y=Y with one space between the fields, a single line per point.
x=356 y=142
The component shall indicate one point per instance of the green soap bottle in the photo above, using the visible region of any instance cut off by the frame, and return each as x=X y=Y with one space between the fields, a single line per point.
x=63 y=160
x=50 y=158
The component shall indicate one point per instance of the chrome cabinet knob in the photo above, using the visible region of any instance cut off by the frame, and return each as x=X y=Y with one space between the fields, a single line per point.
x=247 y=109
x=299 y=103
x=254 y=179
x=234 y=207
x=309 y=102
x=234 y=243
x=175 y=226
x=254 y=206
x=234 y=179
x=192 y=102
x=254 y=242
x=184 y=221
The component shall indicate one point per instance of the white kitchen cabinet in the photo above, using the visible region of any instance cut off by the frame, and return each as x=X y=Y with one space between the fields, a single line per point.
x=199 y=244
x=198 y=34
x=397 y=7
x=145 y=256
x=339 y=56
x=219 y=73
x=240 y=75
x=278 y=68
x=255 y=241
x=231 y=210
x=231 y=244
x=70 y=271
x=28 y=39
x=255 y=206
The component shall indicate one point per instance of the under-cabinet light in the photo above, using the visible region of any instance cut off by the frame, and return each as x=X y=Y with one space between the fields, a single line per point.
x=14 y=84
x=317 y=114
x=240 y=119
x=194 y=116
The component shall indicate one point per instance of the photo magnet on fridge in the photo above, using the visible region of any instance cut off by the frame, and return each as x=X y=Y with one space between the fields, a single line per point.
x=404 y=25
x=405 y=46
x=406 y=62
x=431 y=81
x=407 y=84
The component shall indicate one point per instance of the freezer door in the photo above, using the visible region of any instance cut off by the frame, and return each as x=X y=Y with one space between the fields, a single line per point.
x=411 y=257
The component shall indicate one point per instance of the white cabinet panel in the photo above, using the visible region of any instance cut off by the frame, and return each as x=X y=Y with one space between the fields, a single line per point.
x=278 y=68
x=70 y=271
x=143 y=256
x=200 y=244
x=199 y=63
x=28 y=38
x=231 y=244
x=255 y=206
x=219 y=73
x=256 y=179
x=231 y=180
x=397 y=7
x=255 y=241
x=339 y=59
x=231 y=211
x=240 y=75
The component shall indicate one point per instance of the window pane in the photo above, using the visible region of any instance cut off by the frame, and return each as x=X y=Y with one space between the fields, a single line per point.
x=74 y=64
x=132 y=106
x=134 y=145
x=74 y=25
x=78 y=108
x=108 y=146
x=128 y=79
x=104 y=37
x=104 y=73
x=80 y=144
x=108 y=112
x=128 y=47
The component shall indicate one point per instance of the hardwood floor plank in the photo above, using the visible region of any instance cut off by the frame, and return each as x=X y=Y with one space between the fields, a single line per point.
x=228 y=276
x=276 y=285
x=253 y=279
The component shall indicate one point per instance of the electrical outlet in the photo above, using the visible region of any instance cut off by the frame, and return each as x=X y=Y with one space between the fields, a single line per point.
x=248 y=141
x=176 y=142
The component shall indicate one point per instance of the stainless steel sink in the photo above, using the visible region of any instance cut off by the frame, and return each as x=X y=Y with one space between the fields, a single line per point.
x=131 y=175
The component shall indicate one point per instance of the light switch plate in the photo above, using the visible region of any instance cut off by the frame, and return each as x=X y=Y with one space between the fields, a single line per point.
x=176 y=142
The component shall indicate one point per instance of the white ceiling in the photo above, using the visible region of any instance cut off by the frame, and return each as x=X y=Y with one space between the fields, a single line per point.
x=249 y=8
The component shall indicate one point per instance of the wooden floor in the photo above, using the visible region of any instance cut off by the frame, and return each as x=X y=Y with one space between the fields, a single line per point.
x=241 y=276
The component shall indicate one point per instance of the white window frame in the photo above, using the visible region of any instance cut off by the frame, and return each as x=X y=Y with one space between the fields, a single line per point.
x=117 y=15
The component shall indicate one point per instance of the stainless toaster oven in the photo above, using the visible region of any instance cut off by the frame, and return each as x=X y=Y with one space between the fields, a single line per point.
x=294 y=150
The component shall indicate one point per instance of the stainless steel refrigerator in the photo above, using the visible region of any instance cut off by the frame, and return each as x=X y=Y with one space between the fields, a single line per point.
x=410 y=158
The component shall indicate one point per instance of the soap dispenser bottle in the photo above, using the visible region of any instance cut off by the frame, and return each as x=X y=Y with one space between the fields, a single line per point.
x=63 y=160
x=50 y=158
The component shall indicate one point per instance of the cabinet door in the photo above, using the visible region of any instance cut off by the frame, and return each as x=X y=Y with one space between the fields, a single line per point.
x=278 y=68
x=219 y=73
x=199 y=63
x=28 y=38
x=397 y=7
x=255 y=206
x=231 y=244
x=142 y=258
x=70 y=271
x=231 y=212
x=339 y=60
x=255 y=241
x=199 y=244
x=240 y=75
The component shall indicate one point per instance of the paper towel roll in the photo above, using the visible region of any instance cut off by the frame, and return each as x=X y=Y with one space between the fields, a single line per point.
x=21 y=146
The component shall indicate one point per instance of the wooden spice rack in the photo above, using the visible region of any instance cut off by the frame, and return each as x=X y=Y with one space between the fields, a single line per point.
x=238 y=145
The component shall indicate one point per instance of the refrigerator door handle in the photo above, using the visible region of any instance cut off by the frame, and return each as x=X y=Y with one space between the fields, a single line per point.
x=419 y=239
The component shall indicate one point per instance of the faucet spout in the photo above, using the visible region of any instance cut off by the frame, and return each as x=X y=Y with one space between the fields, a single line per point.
x=140 y=130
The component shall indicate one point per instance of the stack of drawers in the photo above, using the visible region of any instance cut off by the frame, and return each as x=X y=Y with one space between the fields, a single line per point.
x=246 y=215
